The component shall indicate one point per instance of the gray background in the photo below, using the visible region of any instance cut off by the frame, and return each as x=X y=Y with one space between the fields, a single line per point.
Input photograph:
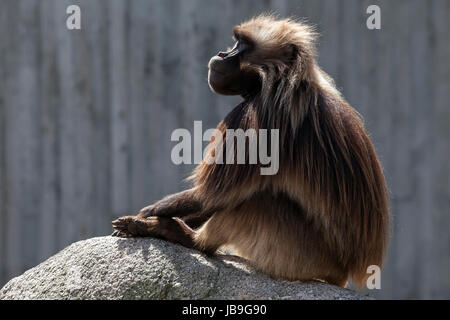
x=86 y=116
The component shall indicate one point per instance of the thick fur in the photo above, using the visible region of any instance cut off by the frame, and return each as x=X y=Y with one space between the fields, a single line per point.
x=325 y=214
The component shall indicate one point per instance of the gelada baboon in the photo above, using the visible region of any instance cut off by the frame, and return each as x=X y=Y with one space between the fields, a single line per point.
x=325 y=214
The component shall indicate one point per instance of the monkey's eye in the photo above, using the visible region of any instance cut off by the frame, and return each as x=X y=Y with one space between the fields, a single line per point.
x=241 y=46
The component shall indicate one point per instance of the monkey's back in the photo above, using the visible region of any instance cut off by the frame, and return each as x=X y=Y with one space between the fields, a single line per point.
x=324 y=215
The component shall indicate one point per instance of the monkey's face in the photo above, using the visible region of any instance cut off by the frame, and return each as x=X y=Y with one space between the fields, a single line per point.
x=227 y=76
x=283 y=48
x=238 y=71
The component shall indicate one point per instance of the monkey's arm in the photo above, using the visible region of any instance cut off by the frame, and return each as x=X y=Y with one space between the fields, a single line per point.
x=161 y=219
x=175 y=205
x=184 y=204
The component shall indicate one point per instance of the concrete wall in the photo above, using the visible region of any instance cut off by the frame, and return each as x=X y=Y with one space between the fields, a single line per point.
x=86 y=116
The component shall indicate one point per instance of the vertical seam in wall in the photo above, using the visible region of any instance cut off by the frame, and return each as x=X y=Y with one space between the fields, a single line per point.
x=2 y=175
x=127 y=95
x=107 y=114
x=39 y=196
x=57 y=150
x=3 y=139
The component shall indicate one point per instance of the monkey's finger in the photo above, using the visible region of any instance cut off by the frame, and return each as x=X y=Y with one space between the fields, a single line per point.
x=118 y=227
x=122 y=222
x=115 y=233
x=116 y=224
x=121 y=234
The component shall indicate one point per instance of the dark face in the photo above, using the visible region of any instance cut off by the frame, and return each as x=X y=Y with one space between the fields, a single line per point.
x=225 y=75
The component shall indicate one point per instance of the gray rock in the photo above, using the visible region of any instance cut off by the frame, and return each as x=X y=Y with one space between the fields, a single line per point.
x=115 y=268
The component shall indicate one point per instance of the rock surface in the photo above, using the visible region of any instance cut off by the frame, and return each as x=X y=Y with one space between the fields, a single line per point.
x=115 y=268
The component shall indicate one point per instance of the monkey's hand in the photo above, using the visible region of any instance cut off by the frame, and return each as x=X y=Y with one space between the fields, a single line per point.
x=133 y=226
